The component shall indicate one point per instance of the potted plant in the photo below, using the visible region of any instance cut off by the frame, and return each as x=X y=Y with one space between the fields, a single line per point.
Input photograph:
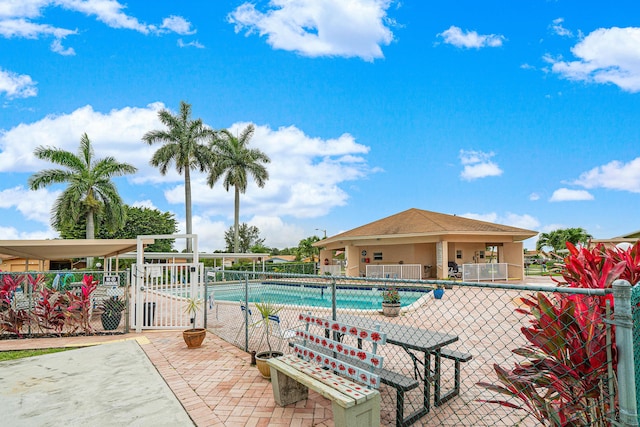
x=391 y=302
x=266 y=309
x=438 y=292
x=112 y=309
x=193 y=337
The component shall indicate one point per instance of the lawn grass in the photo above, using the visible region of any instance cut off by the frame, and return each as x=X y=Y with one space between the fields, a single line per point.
x=19 y=354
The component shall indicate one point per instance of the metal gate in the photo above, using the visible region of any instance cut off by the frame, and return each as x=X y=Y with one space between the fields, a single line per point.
x=160 y=294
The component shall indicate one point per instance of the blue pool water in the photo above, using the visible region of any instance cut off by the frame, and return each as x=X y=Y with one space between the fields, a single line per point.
x=316 y=296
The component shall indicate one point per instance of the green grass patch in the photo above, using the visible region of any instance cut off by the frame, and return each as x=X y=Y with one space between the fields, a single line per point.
x=19 y=354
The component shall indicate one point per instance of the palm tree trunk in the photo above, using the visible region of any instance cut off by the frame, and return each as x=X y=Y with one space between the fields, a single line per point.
x=91 y=227
x=236 y=221
x=187 y=203
x=90 y=234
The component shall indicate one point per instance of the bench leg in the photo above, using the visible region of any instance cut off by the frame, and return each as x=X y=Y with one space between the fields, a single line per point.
x=287 y=390
x=439 y=400
x=363 y=415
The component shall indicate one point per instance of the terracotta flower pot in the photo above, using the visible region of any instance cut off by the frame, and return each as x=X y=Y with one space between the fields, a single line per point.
x=261 y=361
x=391 y=309
x=194 y=337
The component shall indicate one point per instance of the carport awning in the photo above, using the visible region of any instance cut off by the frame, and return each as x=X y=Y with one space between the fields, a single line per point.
x=67 y=249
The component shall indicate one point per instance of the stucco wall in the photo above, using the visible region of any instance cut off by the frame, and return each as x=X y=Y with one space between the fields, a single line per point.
x=513 y=255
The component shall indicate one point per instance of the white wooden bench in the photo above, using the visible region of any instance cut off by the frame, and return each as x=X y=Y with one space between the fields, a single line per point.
x=340 y=372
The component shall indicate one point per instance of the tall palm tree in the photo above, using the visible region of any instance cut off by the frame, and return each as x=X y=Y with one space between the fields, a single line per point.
x=90 y=191
x=235 y=160
x=183 y=145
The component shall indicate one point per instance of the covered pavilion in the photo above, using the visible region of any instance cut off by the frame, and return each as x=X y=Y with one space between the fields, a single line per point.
x=430 y=240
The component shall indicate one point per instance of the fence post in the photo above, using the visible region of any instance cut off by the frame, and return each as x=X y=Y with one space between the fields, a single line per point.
x=246 y=312
x=624 y=344
x=334 y=307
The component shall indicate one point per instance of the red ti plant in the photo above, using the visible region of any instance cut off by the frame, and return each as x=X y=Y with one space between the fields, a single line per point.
x=52 y=310
x=563 y=381
x=80 y=304
x=12 y=319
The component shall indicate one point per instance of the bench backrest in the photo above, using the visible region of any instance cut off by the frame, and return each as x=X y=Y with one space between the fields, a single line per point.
x=315 y=343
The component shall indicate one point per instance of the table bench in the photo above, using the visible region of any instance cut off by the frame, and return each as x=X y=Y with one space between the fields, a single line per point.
x=344 y=374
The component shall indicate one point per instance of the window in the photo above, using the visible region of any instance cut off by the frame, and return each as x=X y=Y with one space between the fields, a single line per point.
x=481 y=254
x=377 y=256
x=459 y=254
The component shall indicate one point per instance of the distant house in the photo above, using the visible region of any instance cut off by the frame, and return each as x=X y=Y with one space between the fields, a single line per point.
x=280 y=259
x=631 y=238
x=430 y=239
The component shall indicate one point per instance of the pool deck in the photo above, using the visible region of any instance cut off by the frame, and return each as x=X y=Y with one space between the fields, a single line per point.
x=215 y=384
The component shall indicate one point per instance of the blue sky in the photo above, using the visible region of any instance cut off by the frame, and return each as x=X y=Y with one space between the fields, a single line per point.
x=521 y=113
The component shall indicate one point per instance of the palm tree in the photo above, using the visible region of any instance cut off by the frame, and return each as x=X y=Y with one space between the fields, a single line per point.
x=90 y=191
x=557 y=239
x=306 y=248
x=233 y=159
x=183 y=146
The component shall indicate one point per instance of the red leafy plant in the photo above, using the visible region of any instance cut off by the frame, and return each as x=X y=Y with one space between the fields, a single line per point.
x=67 y=311
x=12 y=317
x=80 y=304
x=52 y=311
x=564 y=379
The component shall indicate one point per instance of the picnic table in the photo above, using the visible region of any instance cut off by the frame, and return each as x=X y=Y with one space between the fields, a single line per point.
x=413 y=341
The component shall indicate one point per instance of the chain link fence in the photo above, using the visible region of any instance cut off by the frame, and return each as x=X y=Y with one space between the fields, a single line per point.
x=57 y=303
x=472 y=354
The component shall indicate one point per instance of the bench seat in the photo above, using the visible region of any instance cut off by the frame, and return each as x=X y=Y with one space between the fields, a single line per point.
x=341 y=373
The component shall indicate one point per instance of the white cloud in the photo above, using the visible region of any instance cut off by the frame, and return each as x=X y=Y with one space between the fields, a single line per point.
x=12 y=233
x=558 y=29
x=22 y=8
x=33 y=205
x=525 y=221
x=566 y=194
x=210 y=233
x=277 y=233
x=56 y=46
x=144 y=204
x=111 y=134
x=534 y=196
x=109 y=12
x=178 y=25
x=17 y=85
x=305 y=174
x=16 y=20
x=478 y=164
x=190 y=44
x=21 y=28
x=347 y=28
x=470 y=39
x=614 y=175
x=607 y=55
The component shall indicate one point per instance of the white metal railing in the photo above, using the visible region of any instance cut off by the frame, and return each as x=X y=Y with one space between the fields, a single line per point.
x=485 y=271
x=395 y=271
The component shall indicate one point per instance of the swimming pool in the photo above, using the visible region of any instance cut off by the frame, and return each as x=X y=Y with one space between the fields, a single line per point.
x=312 y=295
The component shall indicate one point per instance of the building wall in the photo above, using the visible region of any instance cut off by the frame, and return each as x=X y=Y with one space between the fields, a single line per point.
x=513 y=255
x=425 y=254
x=18 y=265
